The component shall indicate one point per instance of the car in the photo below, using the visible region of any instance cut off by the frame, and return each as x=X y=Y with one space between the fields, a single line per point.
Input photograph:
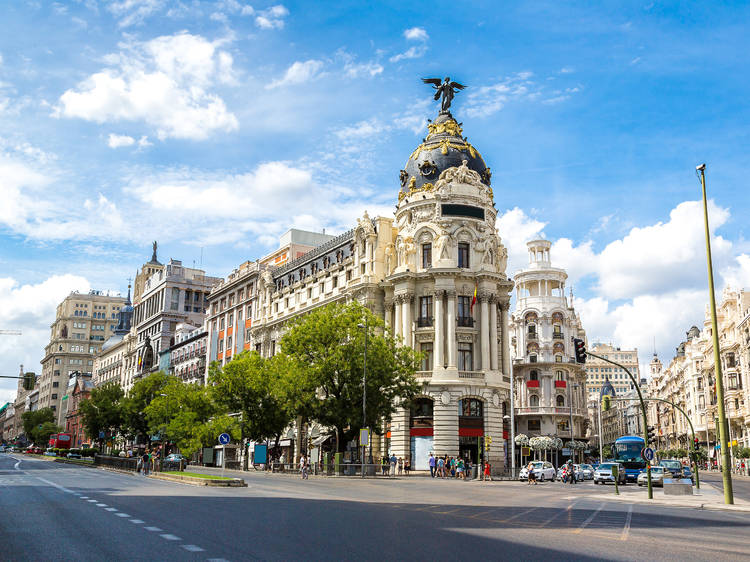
x=176 y=457
x=603 y=474
x=588 y=471
x=73 y=455
x=50 y=453
x=673 y=466
x=657 y=476
x=688 y=474
x=543 y=470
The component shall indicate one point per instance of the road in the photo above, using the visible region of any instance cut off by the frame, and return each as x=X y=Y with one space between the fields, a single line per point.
x=740 y=484
x=53 y=511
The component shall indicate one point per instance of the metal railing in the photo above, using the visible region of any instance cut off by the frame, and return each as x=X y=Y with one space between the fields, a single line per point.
x=424 y=322
x=121 y=463
x=465 y=321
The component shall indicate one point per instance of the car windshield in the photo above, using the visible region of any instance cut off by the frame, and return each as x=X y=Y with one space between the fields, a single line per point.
x=657 y=469
x=606 y=466
x=671 y=464
x=538 y=464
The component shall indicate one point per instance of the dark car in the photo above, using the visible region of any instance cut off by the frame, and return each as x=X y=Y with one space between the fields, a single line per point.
x=687 y=473
x=673 y=466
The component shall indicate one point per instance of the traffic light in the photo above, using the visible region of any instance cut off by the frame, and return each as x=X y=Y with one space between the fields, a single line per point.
x=580 y=349
x=487 y=442
x=28 y=381
x=696 y=443
x=606 y=403
x=651 y=434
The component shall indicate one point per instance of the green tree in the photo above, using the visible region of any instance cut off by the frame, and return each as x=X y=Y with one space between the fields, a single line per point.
x=323 y=378
x=607 y=452
x=253 y=387
x=141 y=394
x=41 y=434
x=186 y=415
x=103 y=411
x=33 y=422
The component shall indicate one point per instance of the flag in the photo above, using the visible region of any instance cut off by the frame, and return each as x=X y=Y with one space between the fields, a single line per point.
x=473 y=300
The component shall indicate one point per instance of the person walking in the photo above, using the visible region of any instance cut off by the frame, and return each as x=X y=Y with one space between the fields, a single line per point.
x=400 y=466
x=441 y=467
x=146 y=459
x=532 y=475
x=303 y=467
x=394 y=462
x=407 y=466
x=432 y=465
x=487 y=471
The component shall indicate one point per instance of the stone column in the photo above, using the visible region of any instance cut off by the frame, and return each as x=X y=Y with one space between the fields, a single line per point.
x=494 y=428
x=406 y=317
x=400 y=438
x=445 y=419
x=439 y=342
x=388 y=304
x=451 y=331
x=484 y=337
x=493 y=333
x=505 y=351
x=397 y=325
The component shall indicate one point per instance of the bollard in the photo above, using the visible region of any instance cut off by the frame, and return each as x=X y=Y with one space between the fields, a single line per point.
x=616 y=476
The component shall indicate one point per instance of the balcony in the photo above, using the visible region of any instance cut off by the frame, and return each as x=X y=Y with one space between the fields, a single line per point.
x=531 y=336
x=425 y=322
x=551 y=410
x=561 y=384
x=465 y=321
x=532 y=384
x=471 y=375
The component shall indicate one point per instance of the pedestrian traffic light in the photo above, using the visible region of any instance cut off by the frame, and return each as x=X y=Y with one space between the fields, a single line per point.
x=606 y=403
x=28 y=381
x=651 y=434
x=580 y=349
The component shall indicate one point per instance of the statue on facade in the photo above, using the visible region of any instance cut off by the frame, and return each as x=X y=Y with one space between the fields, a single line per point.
x=444 y=88
x=153 y=255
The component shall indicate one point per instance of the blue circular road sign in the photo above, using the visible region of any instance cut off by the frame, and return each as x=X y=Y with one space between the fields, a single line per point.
x=224 y=439
x=648 y=454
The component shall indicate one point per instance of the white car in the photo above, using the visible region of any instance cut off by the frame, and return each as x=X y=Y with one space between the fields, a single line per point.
x=588 y=471
x=543 y=470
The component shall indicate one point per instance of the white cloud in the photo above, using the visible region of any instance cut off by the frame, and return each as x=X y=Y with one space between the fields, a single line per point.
x=272 y=18
x=118 y=141
x=133 y=12
x=410 y=53
x=516 y=228
x=30 y=308
x=143 y=142
x=164 y=82
x=416 y=34
x=298 y=73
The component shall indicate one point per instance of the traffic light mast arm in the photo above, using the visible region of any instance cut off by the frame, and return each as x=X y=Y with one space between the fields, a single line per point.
x=690 y=423
x=643 y=411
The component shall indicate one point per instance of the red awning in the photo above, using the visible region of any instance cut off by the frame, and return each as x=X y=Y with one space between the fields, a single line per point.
x=421 y=431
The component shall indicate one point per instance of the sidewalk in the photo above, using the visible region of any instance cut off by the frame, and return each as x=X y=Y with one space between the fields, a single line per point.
x=707 y=497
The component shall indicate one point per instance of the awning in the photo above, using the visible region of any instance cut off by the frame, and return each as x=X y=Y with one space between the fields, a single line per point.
x=318 y=441
x=285 y=442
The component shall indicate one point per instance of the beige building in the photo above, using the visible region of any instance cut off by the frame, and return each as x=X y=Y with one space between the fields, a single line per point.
x=598 y=371
x=82 y=324
x=115 y=362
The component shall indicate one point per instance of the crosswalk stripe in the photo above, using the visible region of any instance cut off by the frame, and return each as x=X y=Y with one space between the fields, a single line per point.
x=626 y=528
x=588 y=520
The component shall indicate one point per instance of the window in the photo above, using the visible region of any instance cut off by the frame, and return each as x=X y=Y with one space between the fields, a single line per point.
x=230 y=322
x=560 y=376
x=534 y=401
x=557 y=332
x=426 y=255
x=426 y=349
x=221 y=346
x=54 y=397
x=560 y=401
x=221 y=323
x=425 y=311
x=55 y=384
x=464 y=311
x=535 y=425
x=470 y=408
x=463 y=254
x=532 y=330
x=534 y=375
x=334 y=281
x=465 y=360
x=558 y=358
x=229 y=343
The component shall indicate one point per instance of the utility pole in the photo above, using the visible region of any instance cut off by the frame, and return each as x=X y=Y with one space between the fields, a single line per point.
x=726 y=468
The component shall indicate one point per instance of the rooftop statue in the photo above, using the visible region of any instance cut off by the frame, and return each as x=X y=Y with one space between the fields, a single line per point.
x=444 y=88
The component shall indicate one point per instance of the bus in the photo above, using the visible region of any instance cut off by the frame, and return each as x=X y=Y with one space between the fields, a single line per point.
x=60 y=440
x=627 y=450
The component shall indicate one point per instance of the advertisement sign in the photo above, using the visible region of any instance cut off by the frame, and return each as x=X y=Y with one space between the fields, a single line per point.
x=260 y=455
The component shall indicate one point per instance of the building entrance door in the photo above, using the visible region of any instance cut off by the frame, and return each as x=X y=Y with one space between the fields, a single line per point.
x=468 y=448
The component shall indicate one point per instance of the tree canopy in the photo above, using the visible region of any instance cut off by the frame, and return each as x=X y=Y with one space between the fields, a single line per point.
x=325 y=363
x=134 y=423
x=103 y=410
x=39 y=425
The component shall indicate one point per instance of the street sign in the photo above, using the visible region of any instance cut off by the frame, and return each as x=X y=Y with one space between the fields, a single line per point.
x=101 y=435
x=364 y=437
x=566 y=452
x=224 y=439
x=647 y=454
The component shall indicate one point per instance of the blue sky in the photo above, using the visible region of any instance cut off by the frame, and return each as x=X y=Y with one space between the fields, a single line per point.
x=213 y=127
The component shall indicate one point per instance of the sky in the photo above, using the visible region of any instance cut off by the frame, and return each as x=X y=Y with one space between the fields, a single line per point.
x=213 y=127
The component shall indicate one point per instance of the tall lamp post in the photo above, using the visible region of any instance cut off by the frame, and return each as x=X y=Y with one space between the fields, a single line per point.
x=726 y=468
x=164 y=437
x=364 y=396
x=512 y=426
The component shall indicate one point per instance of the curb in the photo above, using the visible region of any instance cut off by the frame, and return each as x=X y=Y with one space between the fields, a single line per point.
x=195 y=481
x=698 y=505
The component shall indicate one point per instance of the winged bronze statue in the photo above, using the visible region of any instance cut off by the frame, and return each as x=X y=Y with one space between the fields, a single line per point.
x=444 y=88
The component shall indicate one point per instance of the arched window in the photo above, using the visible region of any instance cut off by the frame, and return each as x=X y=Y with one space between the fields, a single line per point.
x=534 y=375
x=560 y=376
x=470 y=408
x=560 y=401
x=534 y=401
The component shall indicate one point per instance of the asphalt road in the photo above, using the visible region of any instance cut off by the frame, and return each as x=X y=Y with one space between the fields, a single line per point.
x=740 y=484
x=52 y=511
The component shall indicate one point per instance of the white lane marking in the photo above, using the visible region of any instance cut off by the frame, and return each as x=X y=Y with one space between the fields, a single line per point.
x=588 y=520
x=154 y=529
x=92 y=501
x=626 y=528
x=111 y=509
x=519 y=514
x=101 y=505
x=192 y=548
x=548 y=521
x=137 y=521
x=63 y=488
x=217 y=560
x=122 y=514
x=169 y=537
x=83 y=497
x=17 y=465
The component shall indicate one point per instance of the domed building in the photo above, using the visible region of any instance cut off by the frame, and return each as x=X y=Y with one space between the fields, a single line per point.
x=117 y=354
x=549 y=386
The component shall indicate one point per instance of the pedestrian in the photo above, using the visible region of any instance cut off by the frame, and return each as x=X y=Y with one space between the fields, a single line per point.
x=441 y=467
x=400 y=466
x=532 y=474
x=407 y=466
x=432 y=465
x=487 y=471
x=303 y=467
x=146 y=460
x=571 y=472
x=460 y=468
x=394 y=461
x=384 y=465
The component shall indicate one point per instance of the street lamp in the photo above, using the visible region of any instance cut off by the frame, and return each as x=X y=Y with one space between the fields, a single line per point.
x=364 y=397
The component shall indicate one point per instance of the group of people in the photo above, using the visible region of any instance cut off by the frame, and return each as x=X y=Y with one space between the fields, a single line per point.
x=145 y=461
x=390 y=465
x=449 y=467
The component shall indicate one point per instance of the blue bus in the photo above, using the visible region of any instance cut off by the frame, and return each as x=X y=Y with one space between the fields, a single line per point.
x=627 y=450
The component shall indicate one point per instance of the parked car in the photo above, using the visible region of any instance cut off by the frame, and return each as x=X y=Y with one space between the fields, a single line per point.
x=73 y=455
x=176 y=457
x=603 y=474
x=673 y=466
x=543 y=470
x=50 y=453
x=588 y=471
x=578 y=472
x=687 y=473
x=657 y=476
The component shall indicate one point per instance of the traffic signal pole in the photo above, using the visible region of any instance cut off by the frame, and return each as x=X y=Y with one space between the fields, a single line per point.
x=643 y=411
x=726 y=464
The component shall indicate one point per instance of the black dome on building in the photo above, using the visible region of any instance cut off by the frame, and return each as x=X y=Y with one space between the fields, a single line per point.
x=607 y=389
x=444 y=148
